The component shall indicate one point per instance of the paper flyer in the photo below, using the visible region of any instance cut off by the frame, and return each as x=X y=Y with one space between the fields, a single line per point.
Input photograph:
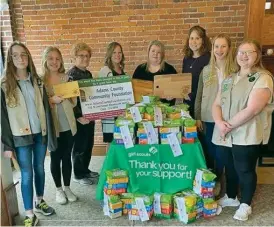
x=174 y=144
x=126 y=136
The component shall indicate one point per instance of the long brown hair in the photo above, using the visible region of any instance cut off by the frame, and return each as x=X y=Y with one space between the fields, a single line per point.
x=110 y=49
x=45 y=69
x=162 y=47
x=206 y=44
x=9 y=79
x=229 y=62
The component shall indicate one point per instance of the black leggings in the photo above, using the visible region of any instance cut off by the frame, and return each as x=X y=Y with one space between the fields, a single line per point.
x=240 y=168
x=62 y=154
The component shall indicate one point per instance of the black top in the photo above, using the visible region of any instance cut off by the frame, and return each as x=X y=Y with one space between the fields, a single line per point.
x=114 y=73
x=78 y=74
x=142 y=74
x=195 y=67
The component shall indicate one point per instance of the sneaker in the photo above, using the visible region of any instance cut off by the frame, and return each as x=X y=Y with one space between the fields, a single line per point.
x=60 y=197
x=83 y=181
x=243 y=212
x=228 y=202
x=71 y=197
x=92 y=175
x=30 y=221
x=43 y=208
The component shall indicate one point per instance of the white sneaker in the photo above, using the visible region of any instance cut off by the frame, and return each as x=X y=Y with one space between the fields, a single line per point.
x=228 y=202
x=61 y=197
x=71 y=197
x=243 y=212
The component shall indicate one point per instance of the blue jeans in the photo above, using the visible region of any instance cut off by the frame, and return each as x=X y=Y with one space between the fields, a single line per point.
x=31 y=158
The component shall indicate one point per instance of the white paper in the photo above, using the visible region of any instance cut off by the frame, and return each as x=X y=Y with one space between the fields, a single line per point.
x=198 y=181
x=126 y=136
x=157 y=203
x=141 y=209
x=185 y=114
x=106 y=207
x=182 y=210
x=174 y=144
x=146 y=99
x=158 y=116
x=151 y=134
x=135 y=113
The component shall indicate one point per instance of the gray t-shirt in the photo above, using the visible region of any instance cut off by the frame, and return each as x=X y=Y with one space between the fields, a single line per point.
x=62 y=118
x=28 y=92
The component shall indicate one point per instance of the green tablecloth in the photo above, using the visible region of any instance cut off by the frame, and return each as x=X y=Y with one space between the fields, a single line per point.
x=153 y=168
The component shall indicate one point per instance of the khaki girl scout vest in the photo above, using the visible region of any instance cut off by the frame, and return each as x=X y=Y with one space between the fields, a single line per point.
x=18 y=117
x=203 y=110
x=234 y=98
x=68 y=106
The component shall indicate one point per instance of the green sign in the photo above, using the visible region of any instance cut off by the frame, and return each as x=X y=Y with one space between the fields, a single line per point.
x=153 y=168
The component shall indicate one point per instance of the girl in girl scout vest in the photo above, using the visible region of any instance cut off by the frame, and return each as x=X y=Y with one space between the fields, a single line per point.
x=221 y=65
x=26 y=124
x=242 y=114
x=64 y=122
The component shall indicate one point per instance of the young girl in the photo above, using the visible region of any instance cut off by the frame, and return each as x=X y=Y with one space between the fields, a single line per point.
x=26 y=124
x=64 y=121
x=242 y=114
x=114 y=66
x=196 y=57
x=221 y=66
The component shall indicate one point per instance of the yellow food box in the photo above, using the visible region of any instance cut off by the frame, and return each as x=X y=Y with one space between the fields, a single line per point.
x=114 y=206
x=190 y=129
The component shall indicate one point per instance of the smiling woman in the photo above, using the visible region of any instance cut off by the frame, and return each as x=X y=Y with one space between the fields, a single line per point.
x=196 y=56
x=243 y=126
x=155 y=65
x=114 y=66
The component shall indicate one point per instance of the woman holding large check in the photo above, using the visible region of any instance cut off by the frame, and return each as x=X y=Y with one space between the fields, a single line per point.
x=64 y=122
x=155 y=65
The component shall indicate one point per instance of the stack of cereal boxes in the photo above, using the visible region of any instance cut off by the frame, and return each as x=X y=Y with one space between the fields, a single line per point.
x=163 y=205
x=164 y=131
x=142 y=208
x=116 y=184
x=142 y=135
x=127 y=200
x=185 y=207
x=190 y=131
x=117 y=136
x=204 y=185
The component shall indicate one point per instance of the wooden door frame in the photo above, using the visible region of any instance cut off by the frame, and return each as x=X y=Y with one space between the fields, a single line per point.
x=254 y=19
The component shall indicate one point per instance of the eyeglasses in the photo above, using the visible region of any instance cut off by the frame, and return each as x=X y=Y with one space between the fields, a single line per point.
x=248 y=53
x=83 y=56
x=18 y=56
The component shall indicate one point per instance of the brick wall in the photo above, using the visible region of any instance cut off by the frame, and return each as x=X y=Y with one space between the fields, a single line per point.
x=133 y=23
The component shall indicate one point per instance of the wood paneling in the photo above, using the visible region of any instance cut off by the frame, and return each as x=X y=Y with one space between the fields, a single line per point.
x=254 y=18
x=268 y=30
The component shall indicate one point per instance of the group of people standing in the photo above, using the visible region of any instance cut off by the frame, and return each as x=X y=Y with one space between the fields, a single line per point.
x=34 y=119
x=231 y=98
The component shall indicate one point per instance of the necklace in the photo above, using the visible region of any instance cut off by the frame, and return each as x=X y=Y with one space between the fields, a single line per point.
x=193 y=63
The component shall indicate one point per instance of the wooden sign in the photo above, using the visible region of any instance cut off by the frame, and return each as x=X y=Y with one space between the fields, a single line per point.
x=141 y=88
x=173 y=85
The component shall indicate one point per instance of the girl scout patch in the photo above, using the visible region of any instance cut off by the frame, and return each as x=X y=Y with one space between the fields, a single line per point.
x=226 y=84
